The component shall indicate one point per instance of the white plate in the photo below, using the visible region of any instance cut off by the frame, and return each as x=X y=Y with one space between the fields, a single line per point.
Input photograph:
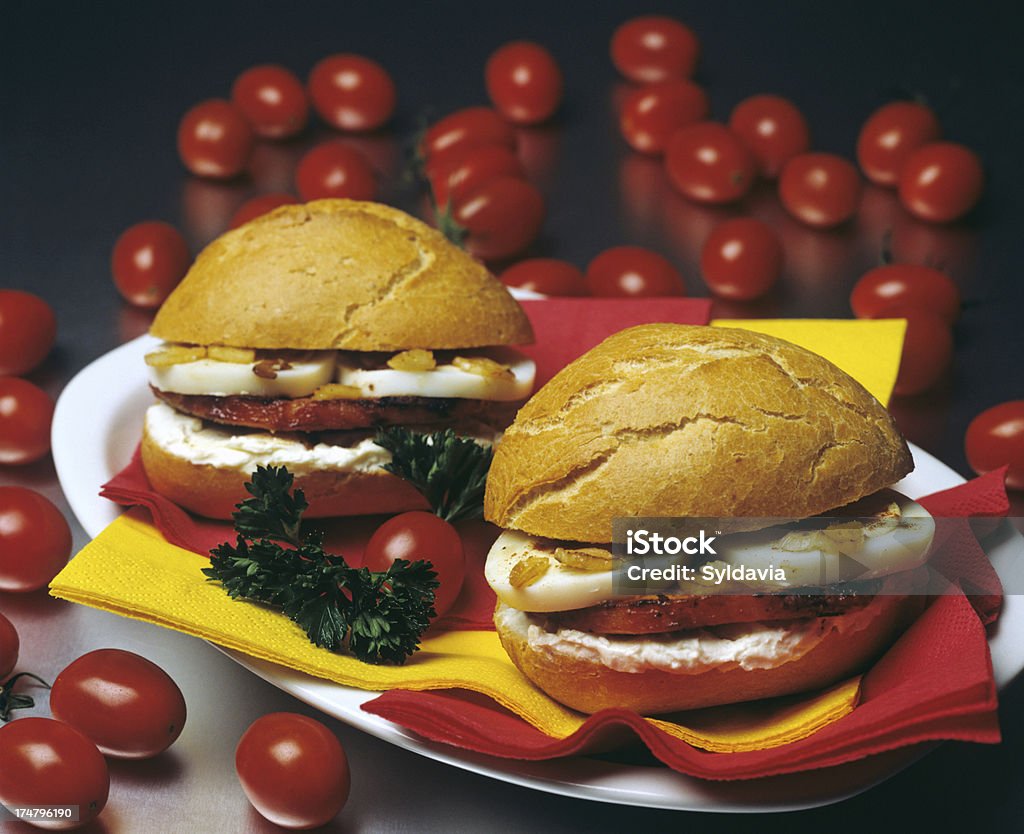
x=96 y=427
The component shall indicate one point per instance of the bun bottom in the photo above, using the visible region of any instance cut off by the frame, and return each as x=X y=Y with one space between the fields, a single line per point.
x=213 y=491
x=588 y=685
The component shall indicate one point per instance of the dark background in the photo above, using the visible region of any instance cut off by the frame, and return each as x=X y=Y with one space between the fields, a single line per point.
x=91 y=98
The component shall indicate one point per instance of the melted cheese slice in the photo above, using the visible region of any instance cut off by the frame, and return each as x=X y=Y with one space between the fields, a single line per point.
x=884 y=549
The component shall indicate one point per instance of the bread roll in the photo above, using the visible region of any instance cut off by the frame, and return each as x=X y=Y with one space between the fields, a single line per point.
x=339 y=274
x=678 y=420
x=213 y=491
x=844 y=649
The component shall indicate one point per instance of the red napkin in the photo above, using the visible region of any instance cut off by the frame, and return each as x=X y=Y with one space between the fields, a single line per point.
x=934 y=683
x=565 y=328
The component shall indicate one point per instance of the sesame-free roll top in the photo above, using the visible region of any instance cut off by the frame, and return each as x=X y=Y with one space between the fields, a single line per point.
x=678 y=420
x=339 y=274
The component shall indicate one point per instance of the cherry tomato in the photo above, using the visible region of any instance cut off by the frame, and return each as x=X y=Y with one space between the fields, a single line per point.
x=215 y=140
x=546 y=275
x=890 y=135
x=351 y=92
x=35 y=540
x=148 y=262
x=258 y=206
x=293 y=769
x=416 y=537
x=927 y=348
x=524 y=82
x=995 y=438
x=651 y=114
x=633 y=271
x=9 y=645
x=741 y=259
x=941 y=182
x=47 y=762
x=709 y=163
x=915 y=286
x=821 y=190
x=125 y=704
x=654 y=48
x=27 y=330
x=454 y=174
x=333 y=169
x=273 y=101
x=500 y=218
x=26 y=412
x=466 y=128
x=773 y=128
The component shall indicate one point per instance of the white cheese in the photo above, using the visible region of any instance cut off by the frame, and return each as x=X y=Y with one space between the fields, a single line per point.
x=189 y=438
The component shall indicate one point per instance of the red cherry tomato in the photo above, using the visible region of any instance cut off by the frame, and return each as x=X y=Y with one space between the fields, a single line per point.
x=633 y=271
x=148 y=262
x=26 y=412
x=741 y=259
x=546 y=275
x=293 y=769
x=651 y=114
x=215 y=140
x=333 y=169
x=927 y=348
x=125 y=704
x=454 y=174
x=500 y=218
x=46 y=762
x=941 y=182
x=27 y=330
x=273 y=101
x=464 y=129
x=9 y=645
x=918 y=287
x=654 y=48
x=821 y=190
x=524 y=82
x=258 y=206
x=773 y=128
x=351 y=92
x=890 y=135
x=709 y=163
x=421 y=537
x=35 y=540
x=995 y=438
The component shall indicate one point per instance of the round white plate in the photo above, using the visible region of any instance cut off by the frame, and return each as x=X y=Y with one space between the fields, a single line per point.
x=98 y=423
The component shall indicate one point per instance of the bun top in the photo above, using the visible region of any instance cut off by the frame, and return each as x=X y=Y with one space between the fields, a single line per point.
x=339 y=274
x=677 y=420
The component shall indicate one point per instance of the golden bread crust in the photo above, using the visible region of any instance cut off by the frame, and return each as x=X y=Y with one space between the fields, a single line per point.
x=680 y=420
x=339 y=274
x=589 y=686
x=213 y=492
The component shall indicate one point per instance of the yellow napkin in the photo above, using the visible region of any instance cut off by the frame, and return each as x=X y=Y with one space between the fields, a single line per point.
x=129 y=569
x=867 y=349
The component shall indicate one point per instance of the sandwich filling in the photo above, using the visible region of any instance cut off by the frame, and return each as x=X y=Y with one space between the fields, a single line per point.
x=565 y=597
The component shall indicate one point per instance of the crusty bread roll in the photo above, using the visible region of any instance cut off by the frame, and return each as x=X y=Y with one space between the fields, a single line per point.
x=339 y=274
x=589 y=686
x=678 y=420
x=213 y=491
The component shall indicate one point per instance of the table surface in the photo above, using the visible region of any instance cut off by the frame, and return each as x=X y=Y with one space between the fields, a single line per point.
x=92 y=98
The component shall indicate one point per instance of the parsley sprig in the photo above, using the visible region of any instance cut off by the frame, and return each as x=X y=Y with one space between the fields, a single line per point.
x=378 y=616
x=449 y=470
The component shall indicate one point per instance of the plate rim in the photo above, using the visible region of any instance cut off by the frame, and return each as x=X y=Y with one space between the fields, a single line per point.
x=582 y=777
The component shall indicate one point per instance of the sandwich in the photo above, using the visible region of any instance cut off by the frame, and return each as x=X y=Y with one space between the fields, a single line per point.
x=294 y=338
x=812 y=565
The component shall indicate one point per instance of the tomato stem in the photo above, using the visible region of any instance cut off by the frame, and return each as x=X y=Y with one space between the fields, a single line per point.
x=10 y=701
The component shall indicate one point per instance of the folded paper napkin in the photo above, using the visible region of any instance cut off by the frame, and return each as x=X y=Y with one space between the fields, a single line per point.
x=133 y=570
